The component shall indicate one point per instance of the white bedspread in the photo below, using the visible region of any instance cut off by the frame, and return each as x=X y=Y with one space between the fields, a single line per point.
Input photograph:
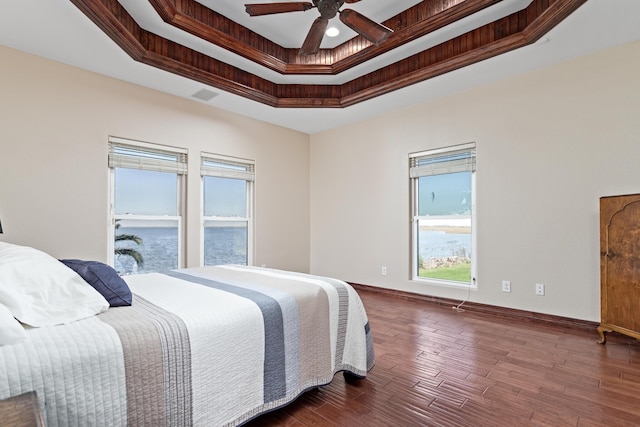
x=206 y=346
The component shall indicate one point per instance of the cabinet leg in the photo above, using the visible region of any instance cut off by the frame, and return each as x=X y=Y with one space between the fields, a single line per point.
x=603 y=337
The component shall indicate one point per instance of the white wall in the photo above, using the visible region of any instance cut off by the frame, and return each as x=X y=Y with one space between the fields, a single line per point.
x=549 y=144
x=54 y=125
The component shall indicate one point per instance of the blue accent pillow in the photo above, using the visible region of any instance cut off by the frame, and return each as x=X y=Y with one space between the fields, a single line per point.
x=104 y=279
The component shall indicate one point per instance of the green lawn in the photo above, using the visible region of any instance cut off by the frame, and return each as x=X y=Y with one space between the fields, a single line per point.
x=457 y=273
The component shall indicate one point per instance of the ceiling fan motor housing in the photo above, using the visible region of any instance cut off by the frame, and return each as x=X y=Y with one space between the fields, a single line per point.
x=328 y=8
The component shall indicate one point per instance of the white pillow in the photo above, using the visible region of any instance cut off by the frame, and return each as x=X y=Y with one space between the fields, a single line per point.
x=11 y=331
x=39 y=290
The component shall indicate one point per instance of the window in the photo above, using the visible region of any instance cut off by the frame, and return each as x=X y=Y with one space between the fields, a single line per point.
x=147 y=187
x=443 y=205
x=227 y=193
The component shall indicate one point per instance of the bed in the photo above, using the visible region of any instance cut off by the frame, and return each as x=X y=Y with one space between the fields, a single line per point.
x=207 y=346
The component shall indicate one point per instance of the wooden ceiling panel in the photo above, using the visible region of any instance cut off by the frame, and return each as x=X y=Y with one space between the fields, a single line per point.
x=415 y=22
x=505 y=34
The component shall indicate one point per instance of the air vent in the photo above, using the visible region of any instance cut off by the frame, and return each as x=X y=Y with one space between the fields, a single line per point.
x=205 y=94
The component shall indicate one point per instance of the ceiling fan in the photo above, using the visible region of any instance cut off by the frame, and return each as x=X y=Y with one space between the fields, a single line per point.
x=370 y=30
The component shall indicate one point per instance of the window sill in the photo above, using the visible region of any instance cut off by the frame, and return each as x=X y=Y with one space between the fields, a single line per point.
x=443 y=283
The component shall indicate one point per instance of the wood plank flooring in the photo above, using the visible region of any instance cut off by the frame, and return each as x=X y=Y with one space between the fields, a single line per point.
x=439 y=367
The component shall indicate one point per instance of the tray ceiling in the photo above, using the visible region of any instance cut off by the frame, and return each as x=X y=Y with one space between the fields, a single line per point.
x=509 y=29
x=249 y=65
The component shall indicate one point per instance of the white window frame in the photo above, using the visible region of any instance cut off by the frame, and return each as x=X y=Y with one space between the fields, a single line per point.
x=415 y=172
x=238 y=168
x=133 y=162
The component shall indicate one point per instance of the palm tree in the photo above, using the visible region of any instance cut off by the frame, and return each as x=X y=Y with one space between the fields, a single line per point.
x=137 y=256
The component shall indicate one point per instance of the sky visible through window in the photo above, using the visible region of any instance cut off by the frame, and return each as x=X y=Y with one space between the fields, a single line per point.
x=225 y=197
x=143 y=192
x=445 y=194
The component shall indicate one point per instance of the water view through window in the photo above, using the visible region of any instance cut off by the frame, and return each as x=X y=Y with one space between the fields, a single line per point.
x=445 y=249
x=159 y=248
x=225 y=211
x=444 y=226
x=147 y=217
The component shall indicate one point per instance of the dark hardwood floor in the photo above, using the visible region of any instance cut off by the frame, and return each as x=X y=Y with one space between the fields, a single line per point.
x=439 y=367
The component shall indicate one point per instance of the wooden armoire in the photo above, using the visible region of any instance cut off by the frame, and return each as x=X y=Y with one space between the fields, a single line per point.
x=619 y=266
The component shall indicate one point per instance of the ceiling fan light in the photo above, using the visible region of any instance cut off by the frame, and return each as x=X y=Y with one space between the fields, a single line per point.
x=332 y=32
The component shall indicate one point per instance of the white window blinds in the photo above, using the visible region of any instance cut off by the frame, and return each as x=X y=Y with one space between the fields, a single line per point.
x=226 y=167
x=130 y=154
x=460 y=158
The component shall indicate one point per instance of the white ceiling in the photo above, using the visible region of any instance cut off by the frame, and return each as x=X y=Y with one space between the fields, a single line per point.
x=57 y=30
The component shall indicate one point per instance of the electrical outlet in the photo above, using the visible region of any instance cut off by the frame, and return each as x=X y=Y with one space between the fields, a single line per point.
x=384 y=270
x=539 y=289
x=506 y=286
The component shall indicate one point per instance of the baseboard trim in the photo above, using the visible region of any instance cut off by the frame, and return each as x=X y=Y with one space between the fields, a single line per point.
x=502 y=312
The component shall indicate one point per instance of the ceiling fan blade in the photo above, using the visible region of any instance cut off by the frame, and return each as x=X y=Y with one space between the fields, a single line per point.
x=271 y=8
x=370 y=30
x=314 y=37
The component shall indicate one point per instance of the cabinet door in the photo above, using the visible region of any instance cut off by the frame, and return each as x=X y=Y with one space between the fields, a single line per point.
x=622 y=268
